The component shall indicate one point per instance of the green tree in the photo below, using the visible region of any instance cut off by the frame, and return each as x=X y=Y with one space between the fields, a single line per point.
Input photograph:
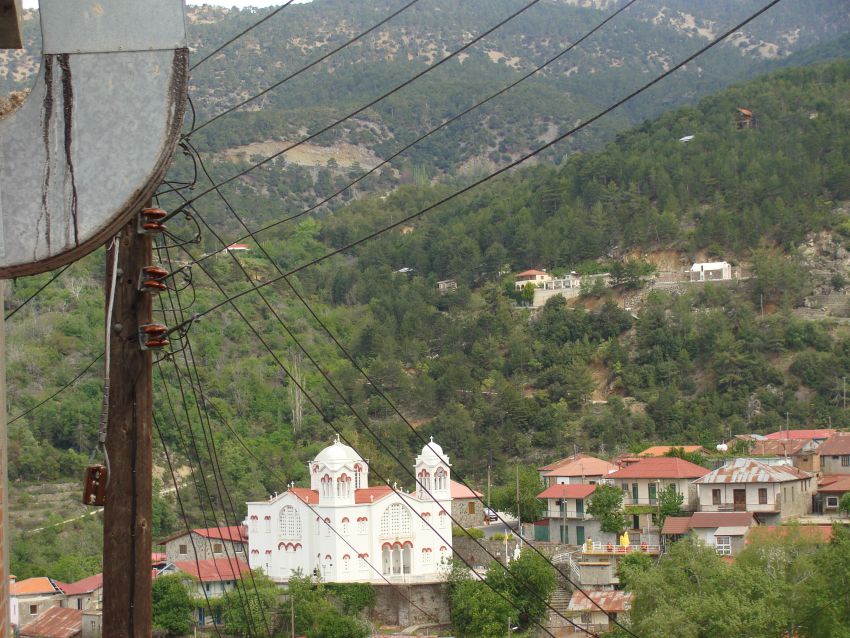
x=477 y=611
x=261 y=608
x=504 y=497
x=844 y=504
x=670 y=502
x=606 y=505
x=826 y=594
x=528 y=585
x=172 y=605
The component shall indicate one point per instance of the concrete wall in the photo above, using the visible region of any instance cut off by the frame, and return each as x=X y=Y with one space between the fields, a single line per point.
x=204 y=547
x=92 y=624
x=832 y=465
x=397 y=605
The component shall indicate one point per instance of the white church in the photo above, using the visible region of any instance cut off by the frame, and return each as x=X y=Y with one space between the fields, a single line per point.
x=293 y=531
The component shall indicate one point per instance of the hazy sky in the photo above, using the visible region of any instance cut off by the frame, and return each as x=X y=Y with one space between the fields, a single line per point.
x=32 y=4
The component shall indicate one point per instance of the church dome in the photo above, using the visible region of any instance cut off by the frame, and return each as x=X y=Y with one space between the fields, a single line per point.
x=337 y=453
x=433 y=452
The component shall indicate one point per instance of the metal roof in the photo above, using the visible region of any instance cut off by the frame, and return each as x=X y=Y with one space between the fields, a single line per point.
x=703 y=520
x=611 y=601
x=676 y=525
x=56 y=622
x=750 y=471
x=838 y=444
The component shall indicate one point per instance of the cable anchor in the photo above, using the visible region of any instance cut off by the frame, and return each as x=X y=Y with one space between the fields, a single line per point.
x=151 y=279
x=153 y=336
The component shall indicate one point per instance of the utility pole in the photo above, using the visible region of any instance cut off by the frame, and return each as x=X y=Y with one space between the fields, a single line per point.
x=127 y=512
x=518 y=511
x=5 y=621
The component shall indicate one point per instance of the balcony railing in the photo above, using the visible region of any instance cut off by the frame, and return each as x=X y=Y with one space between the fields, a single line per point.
x=556 y=512
x=616 y=548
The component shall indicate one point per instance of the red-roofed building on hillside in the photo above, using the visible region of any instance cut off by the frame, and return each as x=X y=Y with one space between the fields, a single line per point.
x=533 y=277
x=30 y=598
x=821 y=434
x=578 y=468
x=802 y=453
x=773 y=492
x=85 y=594
x=56 y=622
x=643 y=481
x=343 y=530
x=206 y=543
x=566 y=514
x=726 y=532
x=211 y=578
x=835 y=454
x=830 y=490
x=467 y=508
x=594 y=611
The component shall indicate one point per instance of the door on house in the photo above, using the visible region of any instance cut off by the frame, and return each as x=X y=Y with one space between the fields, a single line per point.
x=739 y=498
x=634 y=493
x=580 y=535
x=653 y=493
x=579 y=507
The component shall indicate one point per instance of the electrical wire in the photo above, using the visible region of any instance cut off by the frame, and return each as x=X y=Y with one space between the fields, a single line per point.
x=304 y=68
x=360 y=109
x=443 y=125
x=37 y=292
x=497 y=172
x=240 y=34
x=59 y=391
x=115 y=247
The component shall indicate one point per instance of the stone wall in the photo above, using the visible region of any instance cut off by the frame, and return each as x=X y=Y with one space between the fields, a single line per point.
x=406 y=605
x=469 y=550
x=468 y=512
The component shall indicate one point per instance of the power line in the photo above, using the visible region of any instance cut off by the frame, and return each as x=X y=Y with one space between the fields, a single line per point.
x=304 y=68
x=443 y=125
x=407 y=82
x=59 y=391
x=497 y=172
x=240 y=34
x=37 y=292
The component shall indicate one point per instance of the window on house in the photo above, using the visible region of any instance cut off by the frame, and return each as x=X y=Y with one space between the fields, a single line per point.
x=762 y=496
x=845 y=460
x=396 y=521
x=440 y=479
x=237 y=547
x=33 y=610
x=79 y=603
x=470 y=508
x=585 y=618
x=361 y=525
x=289 y=522
x=345 y=528
x=268 y=524
x=715 y=497
x=832 y=501
x=217 y=549
x=723 y=545
x=183 y=550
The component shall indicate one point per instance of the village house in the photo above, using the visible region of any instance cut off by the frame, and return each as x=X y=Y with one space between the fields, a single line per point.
x=208 y=578
x=343 y=530
x=643 y=481
x=447 y=285
x=830 y=490
x=567 y=519
x=534 y=277
x=774 y=492
x=835 y=454
x=819 y=435
x=594 y=613
x=711 y=271
x=85 y=594
x=467 y=509
x=207 y=543
x=92 y=624
x=726 y=532
x=30 y=598
x=56 y=622
x=578 y=468
x=801 y=453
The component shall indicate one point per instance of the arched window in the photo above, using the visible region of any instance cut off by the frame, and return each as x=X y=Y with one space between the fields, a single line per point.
x=362 y=525
x=345 y=526
x=442 y=518
x=343 y=486
x=440 y=479
x=254 y=523
x=267 y=524
x=426 y=555
x=327 y=486
x=424 y=481
x=362 y=562
x=444 y=554
x=289 y=522
x=396 y=521
x=358 y=476
x=426 y=518
x=346 y=563
x=327 y=527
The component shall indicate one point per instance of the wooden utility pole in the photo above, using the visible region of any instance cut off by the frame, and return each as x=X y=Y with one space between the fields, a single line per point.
x=127 y=512
x=5 y=621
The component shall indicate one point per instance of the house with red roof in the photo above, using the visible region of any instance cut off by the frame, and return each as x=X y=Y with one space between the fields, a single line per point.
x=30 y=598
x=85 y=594
x=209 y=578
x=467 y=507
x=774 y=492
x=56 y=622
x=802 y=453
x=594 y=611
x=835 y=454
x=567 y=520
x=206 y=543
x=830 y=490
x=818 y=434
x=535 y=277
x=643 y=481
x=726 y=532
x=578 y=468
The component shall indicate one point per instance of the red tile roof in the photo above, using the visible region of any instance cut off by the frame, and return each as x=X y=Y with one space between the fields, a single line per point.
x=56 y=622
x=370 y=494
x=833 y=484
x=611 y=601
x=663 y=450
x=84 y=586
x=750 y=471
x=823 y=433
x=531 y=272
x=213 y=570
x=836 y=445
x=581 y=465
x=311 y=497
x=700 y=520
x=660 y=467
x=778 y=447
x=676 y=525
x=30 y=586
x=461 y=491
x=567 y=491
x=235 y=533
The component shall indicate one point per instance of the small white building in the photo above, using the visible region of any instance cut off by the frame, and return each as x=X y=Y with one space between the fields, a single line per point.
x=535 y=277
x=773 y=492
x=343 y=530
x=711 y=271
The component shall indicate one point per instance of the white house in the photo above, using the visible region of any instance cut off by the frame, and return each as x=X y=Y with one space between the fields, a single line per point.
x=711 y=271
x=773 y=492
x=535 y=277
x=343 y=530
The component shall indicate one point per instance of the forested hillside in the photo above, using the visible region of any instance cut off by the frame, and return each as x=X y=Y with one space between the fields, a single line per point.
x=491 y=382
